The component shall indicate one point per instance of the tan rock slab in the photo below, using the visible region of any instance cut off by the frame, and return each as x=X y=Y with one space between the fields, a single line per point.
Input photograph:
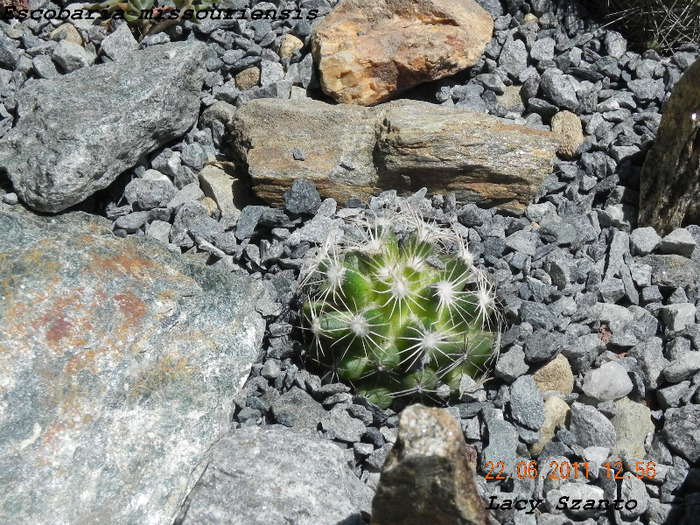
x=228 y=192
x=248 y=78
x=555 y=413
x=289 y=44
x=568 y=126
x=351 y=151
x=67 y=32
x=370 y=50
x=555 y=376
x=428 y=476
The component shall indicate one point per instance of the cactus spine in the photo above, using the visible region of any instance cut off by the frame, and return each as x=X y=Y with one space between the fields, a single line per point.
x=399 y=313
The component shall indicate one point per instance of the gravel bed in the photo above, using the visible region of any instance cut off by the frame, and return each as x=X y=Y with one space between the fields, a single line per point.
x=574 y=275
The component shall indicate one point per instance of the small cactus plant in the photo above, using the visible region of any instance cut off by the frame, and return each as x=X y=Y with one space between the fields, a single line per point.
x=400 y=314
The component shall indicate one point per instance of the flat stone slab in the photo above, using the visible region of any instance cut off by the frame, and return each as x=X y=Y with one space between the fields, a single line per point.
x=351 y=151
x=118 y=363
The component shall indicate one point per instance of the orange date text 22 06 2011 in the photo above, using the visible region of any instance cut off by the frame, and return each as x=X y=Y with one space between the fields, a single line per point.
x=566 y=470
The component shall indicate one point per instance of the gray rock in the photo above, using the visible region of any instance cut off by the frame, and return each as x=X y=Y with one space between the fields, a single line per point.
x=50 y=176
x=523 y=241
x=124 y=342
x=513 y=57
x=511 y=365
x=264 y=476
x=9 y=54
x=152 y=191
x=302 y=197
x=159 y=230
x=678 y=241
x=678 y=316
x=646 y=89
x=671 y=270
x=672 y=396
x=683 y=367
x=559 y=232
x=44 y=66
x=682 y=432
x=70 y=57
x=297 y=409
x=543 y=49
x=189 y=193
x=591 y=428
x=615 y=44
x=118 y=44
x=630 y=332
x=607 y=383
x=581 y=492
x=340 y=425
x=650 y=357
x=132 y=221
x=612 y=290
x=270 y=72
x=429 y=475
x=641 y=274
x=560 y=88
x=526 y=404
x=503 y=441
x=542 y=346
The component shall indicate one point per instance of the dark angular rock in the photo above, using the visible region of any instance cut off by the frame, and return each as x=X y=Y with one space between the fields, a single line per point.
x=682 y=432
x=526 y=404
x=302 y=197
x=671 y=270
x=543 y=346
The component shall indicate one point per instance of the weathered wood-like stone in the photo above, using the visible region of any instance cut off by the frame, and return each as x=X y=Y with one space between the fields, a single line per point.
x=483 y=159
x=118 y=363
x=669 y=195
x=350 y=151
x=428 y=476
x=369 y=50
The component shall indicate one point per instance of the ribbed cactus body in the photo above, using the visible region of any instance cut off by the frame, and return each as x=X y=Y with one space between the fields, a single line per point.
x=400 y=317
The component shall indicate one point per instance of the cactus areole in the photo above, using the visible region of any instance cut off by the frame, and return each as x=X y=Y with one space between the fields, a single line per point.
x=400 y=315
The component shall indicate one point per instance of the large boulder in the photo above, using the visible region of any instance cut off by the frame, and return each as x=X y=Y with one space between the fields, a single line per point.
x=261 y=476
x=669 y=195
x=76 y=133
x=369 y=50
x=350 y=151
x=118 y=363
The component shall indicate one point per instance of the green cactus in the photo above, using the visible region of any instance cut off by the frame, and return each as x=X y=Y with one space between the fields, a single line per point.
x=400 y=314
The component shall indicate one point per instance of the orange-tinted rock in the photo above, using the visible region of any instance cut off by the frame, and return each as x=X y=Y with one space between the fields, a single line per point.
x=369 y=50
x=118 y=360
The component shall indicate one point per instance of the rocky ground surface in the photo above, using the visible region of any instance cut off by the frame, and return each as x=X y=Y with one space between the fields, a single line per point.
x=601 y=316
